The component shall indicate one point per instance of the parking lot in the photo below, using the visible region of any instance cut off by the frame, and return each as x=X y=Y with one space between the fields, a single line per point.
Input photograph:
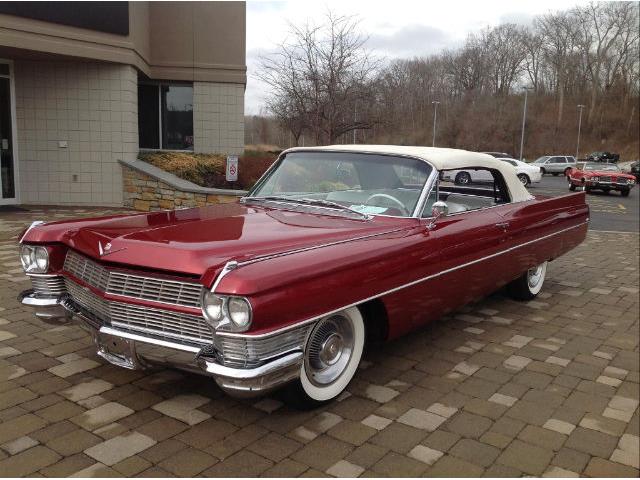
x=609 y=212
x=499 y=388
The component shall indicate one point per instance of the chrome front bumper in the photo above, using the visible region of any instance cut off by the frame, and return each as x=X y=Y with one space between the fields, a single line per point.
x=134 y=351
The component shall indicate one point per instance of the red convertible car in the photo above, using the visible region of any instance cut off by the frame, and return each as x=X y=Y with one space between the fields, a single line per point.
x=333 y=247
x=600 y=176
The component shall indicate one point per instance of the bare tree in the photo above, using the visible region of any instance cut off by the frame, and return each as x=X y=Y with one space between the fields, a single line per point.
x=320 y=77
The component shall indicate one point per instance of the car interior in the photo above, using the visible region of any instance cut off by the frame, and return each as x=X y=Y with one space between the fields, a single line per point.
x=461 y=199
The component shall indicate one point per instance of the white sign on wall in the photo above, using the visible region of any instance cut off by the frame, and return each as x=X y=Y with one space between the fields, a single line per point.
x=232 y=168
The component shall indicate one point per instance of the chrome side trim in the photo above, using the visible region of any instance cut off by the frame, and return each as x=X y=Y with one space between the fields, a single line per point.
x=229 y=266
x=315 y=247
x=33 y=224
x=395 y=289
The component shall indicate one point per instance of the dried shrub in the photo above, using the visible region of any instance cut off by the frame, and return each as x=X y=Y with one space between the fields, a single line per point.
x=208 y=170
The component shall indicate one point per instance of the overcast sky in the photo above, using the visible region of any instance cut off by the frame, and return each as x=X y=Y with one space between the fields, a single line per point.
x=396 y=28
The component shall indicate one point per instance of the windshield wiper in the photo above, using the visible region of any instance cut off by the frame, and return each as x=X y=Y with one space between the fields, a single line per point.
x=307 y=201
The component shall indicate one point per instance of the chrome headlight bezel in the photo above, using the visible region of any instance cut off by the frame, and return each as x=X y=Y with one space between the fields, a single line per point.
x=34 y=258
x=224 y=318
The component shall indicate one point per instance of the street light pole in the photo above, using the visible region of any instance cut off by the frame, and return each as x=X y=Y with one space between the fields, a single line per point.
x=435 y=119
x=580 y=107
x=524 y=121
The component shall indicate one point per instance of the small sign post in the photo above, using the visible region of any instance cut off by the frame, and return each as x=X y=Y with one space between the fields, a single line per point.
x=232 y=168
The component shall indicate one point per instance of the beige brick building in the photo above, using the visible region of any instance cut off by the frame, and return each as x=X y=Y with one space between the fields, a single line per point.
x=82 y=88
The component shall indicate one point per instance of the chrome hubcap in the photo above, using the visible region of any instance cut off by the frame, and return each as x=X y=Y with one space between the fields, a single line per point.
x=329 y=350
x=534 y=275
x=523 y=180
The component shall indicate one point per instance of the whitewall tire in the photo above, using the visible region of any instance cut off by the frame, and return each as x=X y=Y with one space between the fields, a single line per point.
x=529 y=284
x=331 y=357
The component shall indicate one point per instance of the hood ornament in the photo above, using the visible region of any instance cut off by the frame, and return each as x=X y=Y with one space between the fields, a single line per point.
x=107 y=249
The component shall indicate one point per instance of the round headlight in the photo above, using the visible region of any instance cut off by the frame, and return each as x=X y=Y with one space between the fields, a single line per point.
x=25 y=257
x=212 y=306
x=41 y=259
x=239 y=312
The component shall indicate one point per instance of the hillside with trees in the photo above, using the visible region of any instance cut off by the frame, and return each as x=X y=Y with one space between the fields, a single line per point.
x=326 y=87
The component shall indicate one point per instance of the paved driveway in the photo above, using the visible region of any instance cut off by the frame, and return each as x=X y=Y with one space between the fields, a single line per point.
x=610 y=212
x=500 y=388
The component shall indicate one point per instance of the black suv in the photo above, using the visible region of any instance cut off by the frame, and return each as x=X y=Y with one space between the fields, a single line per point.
x=607 y=157
x=635 y=170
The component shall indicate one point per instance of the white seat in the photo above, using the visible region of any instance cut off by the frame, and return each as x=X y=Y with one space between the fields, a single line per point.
x=456 y=207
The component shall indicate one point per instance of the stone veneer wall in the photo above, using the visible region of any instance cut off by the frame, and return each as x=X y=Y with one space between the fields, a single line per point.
x=218 y=118
x=93 y=107
x=146 y=191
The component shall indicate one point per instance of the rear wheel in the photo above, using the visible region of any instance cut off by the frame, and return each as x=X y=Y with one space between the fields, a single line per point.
x=524 y=179
x=529 y=284
x=463 y=178
x=331 y=356
x=542 y=170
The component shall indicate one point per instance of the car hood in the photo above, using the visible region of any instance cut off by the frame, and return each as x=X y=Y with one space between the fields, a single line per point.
x=198 y=241
x=607 y=173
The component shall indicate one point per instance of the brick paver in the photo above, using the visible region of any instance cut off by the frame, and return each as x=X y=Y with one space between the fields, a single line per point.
x=498 y=388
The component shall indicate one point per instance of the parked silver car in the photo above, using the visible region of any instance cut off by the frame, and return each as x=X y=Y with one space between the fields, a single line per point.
x=556 y=164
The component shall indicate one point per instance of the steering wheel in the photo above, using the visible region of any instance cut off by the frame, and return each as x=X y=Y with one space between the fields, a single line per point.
x=398 y=203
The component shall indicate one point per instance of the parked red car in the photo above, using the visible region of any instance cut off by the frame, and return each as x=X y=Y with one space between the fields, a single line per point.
x=333 y=247
x=600 y=176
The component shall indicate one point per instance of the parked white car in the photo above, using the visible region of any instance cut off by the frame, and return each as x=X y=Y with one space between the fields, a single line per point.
x=527 y=174
x=556 y=164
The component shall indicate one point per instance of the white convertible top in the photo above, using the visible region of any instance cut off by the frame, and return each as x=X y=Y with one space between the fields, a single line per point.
x=441 y=159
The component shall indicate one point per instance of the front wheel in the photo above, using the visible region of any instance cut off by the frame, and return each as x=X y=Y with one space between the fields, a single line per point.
x=529 y=284
x=625 y=192
x=572 y=187
x=462 y=178
x=331 y=356
x=524 y=179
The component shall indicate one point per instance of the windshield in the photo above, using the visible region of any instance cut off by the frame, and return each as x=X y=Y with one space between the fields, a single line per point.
x=541 y=160
x=604 y=167
x=366 y=183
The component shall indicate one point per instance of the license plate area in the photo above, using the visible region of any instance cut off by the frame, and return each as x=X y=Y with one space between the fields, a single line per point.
x=117 y=350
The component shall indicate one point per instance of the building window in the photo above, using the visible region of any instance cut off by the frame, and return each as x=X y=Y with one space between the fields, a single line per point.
x=165 y=116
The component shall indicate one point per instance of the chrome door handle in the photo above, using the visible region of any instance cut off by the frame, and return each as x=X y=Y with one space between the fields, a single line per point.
x=503 y=225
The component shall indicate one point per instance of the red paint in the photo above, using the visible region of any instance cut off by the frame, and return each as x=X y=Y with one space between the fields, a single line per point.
x=392 y=264
x=577 y=176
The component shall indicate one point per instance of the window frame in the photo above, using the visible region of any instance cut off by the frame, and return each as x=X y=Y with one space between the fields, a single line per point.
x=436 y=185
x=158 y=84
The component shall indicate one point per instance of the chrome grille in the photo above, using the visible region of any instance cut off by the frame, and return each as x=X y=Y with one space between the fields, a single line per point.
x=48 y=286
x=134 y=286
x=150 y=321
x=605 y=179
x=622 y=180
x=247 y=352
x=84 y=269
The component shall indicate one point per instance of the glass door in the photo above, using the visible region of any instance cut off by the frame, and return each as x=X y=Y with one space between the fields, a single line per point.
x=7 y=160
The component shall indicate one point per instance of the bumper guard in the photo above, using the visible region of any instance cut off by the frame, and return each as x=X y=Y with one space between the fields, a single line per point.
x=137 y=352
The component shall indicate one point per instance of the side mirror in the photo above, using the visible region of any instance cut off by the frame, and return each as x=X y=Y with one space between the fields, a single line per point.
x=439 y=209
